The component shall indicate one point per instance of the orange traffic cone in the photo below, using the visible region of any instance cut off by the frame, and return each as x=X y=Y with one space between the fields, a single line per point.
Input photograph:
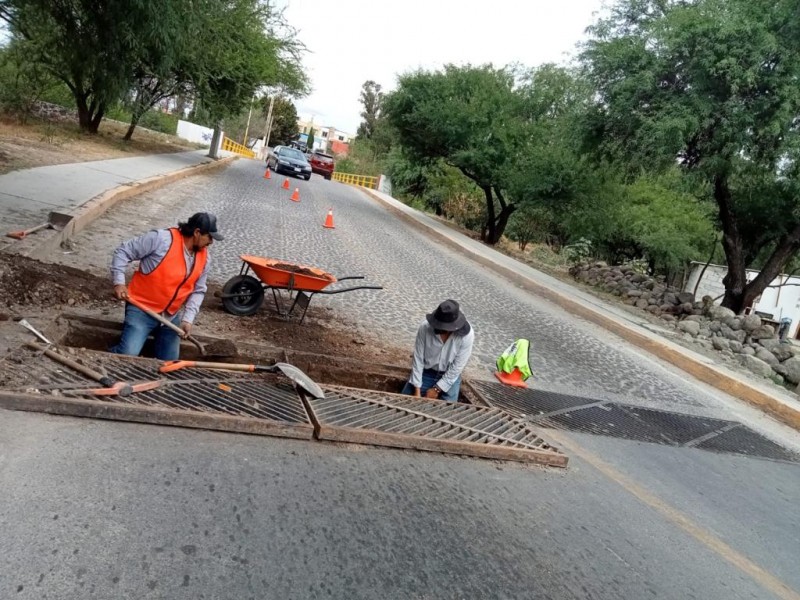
x=267 y=174
x=296 y=195
x=514 y=378
x=329 y=220
x=286 y=184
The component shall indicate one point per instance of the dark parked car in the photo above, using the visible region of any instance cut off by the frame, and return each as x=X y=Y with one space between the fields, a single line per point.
x=283 y=159
x=321 y=163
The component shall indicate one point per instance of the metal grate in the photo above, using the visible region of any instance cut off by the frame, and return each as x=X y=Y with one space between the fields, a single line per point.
x=383 y=419
x=625 y=421
x=742 y=440
x=202 y=398
x=528 y=402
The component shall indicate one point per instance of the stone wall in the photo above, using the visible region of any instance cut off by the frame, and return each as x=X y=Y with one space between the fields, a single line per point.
x=744 y=339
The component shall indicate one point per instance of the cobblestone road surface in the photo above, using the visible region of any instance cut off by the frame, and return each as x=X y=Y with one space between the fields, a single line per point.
x=567 y=354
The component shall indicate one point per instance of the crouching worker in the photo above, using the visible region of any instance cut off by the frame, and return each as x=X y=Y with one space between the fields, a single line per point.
x=442 y=349
x=172 y=273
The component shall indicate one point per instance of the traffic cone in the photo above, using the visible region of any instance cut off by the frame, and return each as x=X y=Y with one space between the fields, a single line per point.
x=296 y=195
x=514 y=378
x=267 y=174
x=329 y=220
x=286 y=184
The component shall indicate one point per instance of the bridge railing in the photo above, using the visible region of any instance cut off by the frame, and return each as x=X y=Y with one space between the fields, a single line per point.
x=231 y=146
x=362 y=180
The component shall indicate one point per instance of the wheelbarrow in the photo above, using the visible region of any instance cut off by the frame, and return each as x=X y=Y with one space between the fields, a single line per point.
x=243 y=294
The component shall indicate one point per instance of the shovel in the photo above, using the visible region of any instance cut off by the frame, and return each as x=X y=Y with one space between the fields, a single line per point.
x=55 y=220
x=220 y=348
x=302 y=380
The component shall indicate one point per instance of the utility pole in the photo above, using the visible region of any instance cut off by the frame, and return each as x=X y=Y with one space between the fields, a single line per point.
x=268 y=130
x=247 y=127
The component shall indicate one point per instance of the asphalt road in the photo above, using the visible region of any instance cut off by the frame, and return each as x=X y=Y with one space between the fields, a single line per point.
x=112 y=510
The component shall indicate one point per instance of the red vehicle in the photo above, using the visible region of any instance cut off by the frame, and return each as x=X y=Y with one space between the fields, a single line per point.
x=321 y=163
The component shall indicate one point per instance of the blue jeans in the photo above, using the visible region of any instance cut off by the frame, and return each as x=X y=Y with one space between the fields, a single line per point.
x=138 y=325
x=429 y=379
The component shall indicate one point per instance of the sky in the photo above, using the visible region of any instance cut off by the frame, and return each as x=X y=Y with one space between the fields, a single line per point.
x=351 y=41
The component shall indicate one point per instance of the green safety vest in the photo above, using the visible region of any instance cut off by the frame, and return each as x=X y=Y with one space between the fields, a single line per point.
x=515 y=356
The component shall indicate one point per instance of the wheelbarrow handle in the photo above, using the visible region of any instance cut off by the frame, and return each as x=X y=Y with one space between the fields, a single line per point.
x=350 y=289
x=350 y=277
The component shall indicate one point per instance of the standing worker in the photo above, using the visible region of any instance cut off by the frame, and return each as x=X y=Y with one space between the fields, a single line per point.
x=172 y=273
x=441 y=351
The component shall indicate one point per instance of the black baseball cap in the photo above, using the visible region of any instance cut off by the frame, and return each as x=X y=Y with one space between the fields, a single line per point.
x=206 y=223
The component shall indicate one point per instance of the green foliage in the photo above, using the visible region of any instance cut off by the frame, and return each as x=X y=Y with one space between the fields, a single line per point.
x=530 y=223
x=711 y=84
x=22 y=82
x=466 y=116
x=579 y=252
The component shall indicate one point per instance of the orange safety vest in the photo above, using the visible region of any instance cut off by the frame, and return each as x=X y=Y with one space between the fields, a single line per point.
x=166 y=288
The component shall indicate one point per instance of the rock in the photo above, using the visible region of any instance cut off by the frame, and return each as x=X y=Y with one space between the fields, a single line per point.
x=653 y=309
x=780 y=369
x=763 y=332
x=714 y=326
x=751 y=322
x=720 y=343
x=690 y=327
x=737 y=346
x=767 y=356
x=633 y=293
x=671 y=298
x=646 y=295
x=630 y=301
x=649 y=284
x=687 y=308
x=756 y=365
x=667 y=317
x=747 y=350
x=734 y=323
x=697 y=318
x=642 y=303
x=720 y=313
x=781 y=351
x=703 y=343
x=71 y=301
x=730 y=334
x=792 y=367
x=684 y=297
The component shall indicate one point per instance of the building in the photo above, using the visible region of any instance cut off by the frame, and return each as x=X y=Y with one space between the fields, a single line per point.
x=326 y=137
x=780 y=300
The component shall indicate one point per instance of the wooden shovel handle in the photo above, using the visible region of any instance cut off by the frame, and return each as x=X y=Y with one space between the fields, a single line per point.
x=175 y=365
x=168 y=323
x=88 y=371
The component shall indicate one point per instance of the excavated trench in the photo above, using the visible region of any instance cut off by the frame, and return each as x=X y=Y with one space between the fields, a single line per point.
x=78 y=331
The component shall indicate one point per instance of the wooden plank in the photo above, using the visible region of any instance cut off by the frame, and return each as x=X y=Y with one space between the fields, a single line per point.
x=94 y=409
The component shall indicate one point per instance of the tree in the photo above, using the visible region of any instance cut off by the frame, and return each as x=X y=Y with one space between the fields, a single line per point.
x=711 y=85
x=310 y=140
x=468 y=117
x=371 y=98
x=92 y=49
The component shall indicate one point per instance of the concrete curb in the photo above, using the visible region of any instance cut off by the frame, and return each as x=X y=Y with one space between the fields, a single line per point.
x=706 y=373
x=45 y=245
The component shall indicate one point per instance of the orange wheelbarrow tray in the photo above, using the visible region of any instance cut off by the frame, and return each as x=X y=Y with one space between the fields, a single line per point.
x=243 y=294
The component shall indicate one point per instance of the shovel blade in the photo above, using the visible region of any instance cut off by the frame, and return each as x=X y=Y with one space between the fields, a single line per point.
x=301 y=379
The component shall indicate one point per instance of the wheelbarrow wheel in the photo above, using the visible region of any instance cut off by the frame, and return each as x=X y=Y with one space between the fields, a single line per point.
x=248 y=295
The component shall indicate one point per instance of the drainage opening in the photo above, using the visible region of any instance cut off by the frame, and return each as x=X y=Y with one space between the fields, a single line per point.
x=98 y=334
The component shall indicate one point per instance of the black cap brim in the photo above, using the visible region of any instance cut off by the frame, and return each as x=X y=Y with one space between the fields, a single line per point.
x=217 y=236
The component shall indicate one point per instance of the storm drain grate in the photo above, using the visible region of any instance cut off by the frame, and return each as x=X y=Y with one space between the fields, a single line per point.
x=742 y=440
x=625 y=421
x=383 y=419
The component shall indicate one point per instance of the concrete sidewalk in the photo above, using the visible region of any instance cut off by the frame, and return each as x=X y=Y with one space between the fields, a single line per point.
x=639 y=331
x=84 y=190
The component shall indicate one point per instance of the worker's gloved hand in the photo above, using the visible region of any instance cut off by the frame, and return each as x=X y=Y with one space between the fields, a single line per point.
x=121 y=291
x=432 y=393
x=187 y=328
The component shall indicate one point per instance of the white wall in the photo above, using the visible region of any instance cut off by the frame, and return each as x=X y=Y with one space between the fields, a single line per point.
x=195 y=133
x=778 y=301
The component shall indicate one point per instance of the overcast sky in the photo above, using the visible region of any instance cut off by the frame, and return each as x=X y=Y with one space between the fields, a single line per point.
x=351 y=41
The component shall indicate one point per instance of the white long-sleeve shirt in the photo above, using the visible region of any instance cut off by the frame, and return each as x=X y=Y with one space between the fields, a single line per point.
x=448 y=357
x=150 y=249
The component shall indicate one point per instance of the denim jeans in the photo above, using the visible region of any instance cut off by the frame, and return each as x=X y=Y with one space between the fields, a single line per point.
x=138 y=325
x=429 y=379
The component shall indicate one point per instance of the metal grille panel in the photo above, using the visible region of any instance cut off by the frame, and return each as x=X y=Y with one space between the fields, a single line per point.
x=383 y=419
x=625 y=421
